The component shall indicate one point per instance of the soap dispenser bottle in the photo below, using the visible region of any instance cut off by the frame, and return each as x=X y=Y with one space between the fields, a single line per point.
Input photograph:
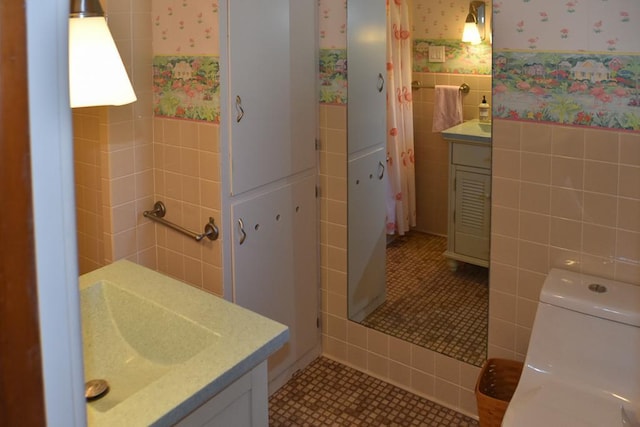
x=484 y=110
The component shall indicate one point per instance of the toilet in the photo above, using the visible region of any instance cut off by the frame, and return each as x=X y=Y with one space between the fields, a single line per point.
x=583 y=363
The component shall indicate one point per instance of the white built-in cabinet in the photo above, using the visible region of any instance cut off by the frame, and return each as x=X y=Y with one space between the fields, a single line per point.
x=469 y=217
x=272 y=94
x=366 y=156
x=275 y=263
x=269 y=128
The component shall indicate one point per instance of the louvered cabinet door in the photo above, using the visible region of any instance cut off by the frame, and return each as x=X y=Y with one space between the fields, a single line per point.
x=472 y=213
x=469 y=217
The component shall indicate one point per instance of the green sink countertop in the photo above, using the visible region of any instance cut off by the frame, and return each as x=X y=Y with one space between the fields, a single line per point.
x=238 y=341
x=472 y=130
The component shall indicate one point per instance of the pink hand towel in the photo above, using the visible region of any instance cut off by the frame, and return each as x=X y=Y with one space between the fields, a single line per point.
x=447 y=111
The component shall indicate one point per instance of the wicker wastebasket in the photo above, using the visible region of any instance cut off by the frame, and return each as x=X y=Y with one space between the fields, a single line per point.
x=496 y=384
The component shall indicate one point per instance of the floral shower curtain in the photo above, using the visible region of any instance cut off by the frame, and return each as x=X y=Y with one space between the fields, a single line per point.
x=401 y=199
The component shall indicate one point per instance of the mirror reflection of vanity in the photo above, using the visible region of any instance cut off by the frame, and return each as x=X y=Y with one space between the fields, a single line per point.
x=469 y=215
x=387 y=278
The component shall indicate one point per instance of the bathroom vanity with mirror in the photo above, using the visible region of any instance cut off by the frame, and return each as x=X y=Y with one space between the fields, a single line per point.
x=469 y=214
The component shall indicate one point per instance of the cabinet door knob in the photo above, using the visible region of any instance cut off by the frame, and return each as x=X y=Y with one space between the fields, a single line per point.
x=380 y=82
x=381 y=170
x=239 y=109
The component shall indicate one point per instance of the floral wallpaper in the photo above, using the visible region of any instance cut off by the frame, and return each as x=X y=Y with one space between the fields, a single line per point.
x=185 y=27
x=185 y=64
x=332 y=17
x=440 y=23
x=575 y=62
x=460 y=58
x=435 y=22
x=187 y=87
x=591 y=25
x=442 y=19
x=599 y=90
x=333 y=76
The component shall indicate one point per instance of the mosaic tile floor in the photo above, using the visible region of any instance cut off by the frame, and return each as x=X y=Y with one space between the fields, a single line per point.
x=431 y=306
x=327 y=393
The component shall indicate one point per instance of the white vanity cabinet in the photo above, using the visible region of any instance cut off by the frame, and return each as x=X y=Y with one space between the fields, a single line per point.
x=243 y=403
x=469 y=214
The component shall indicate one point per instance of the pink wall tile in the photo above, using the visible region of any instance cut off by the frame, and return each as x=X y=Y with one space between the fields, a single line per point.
x=535 y=197
x=567 y=141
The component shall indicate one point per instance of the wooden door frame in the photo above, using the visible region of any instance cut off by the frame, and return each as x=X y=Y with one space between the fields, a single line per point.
x=21 y=380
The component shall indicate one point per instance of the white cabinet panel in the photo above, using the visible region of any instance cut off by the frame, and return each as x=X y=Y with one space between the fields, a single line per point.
x=272 y=94
x=275 y=267
x=244 y=403
x=367 y=238
x=366 y=74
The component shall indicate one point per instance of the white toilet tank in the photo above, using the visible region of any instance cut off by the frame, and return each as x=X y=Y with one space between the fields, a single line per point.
x=583 y=363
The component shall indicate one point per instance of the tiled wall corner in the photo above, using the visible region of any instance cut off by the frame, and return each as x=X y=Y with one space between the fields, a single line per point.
x=129 y=151
x=187 y=179
x=87 y=125
x=114 y=155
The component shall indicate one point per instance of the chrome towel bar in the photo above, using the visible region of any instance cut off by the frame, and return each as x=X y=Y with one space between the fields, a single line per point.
x=464 y=88
x=211 y=231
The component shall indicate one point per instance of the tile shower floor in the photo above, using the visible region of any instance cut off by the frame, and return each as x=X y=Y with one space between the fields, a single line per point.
x=429 y=305
x=327 y=393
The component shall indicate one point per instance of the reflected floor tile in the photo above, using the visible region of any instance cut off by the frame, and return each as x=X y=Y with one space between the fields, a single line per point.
x=431 y=306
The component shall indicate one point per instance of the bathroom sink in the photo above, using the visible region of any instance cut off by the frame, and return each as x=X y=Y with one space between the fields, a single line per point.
x=470 y=131
x=131 y=342
x=164 y=347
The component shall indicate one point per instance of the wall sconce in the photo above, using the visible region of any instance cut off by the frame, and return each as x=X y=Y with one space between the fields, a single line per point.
x=474 y=24
x=96 y=73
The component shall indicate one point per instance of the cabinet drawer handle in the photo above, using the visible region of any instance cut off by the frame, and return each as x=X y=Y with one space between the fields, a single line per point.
x=243 y=236
x=381 y=170
x=380 y=82
x=239 y=109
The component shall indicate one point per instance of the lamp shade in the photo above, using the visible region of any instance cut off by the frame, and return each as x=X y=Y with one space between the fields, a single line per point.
x=470 y=33
x=96 y=73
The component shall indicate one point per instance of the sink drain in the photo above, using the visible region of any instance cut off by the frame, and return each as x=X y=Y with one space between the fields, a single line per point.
x=95 y=389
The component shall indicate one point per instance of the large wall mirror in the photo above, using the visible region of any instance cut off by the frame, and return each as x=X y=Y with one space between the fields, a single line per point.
x=400 y=281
